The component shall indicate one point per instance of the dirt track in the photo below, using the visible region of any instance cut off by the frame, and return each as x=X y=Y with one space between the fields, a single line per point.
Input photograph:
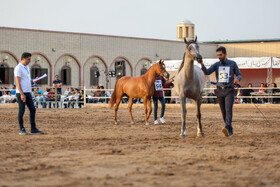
x=83 y=147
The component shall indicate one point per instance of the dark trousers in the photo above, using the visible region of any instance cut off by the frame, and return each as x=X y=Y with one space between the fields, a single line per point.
x=162 y=101
x=21 y=110
x=225 y=98
x=168 y=94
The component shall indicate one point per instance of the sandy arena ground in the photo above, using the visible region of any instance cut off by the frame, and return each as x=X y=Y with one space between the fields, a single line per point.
x=83 y=147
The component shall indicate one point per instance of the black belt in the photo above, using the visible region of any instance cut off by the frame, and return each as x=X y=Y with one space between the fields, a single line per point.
x=224 y=87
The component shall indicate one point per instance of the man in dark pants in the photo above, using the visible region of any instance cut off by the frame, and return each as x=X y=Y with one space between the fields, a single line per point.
x=225 y=70
x=23 y=93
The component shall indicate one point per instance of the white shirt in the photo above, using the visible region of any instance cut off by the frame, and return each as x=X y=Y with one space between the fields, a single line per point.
x=25 y=79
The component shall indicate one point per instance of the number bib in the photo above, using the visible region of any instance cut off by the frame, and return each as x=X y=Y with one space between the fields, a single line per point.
x=158 y=85
x=224 y=74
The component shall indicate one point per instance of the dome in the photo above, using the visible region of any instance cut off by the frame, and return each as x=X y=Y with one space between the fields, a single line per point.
x=186 y=21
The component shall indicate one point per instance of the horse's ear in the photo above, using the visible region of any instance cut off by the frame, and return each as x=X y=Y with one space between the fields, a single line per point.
x=160 y=61
x=195 y=39
x=186 y=42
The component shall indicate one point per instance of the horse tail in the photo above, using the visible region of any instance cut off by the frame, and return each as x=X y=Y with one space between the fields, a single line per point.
x=113 y=97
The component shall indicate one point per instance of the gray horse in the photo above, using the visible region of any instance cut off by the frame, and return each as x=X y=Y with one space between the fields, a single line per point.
x=189 y=83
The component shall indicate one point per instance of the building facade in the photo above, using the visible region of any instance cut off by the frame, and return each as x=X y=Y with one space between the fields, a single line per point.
x=84 y=59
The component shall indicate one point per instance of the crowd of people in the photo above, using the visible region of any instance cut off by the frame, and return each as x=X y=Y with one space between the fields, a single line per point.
x=99 y=95
x=71 y=95
x=262 y=93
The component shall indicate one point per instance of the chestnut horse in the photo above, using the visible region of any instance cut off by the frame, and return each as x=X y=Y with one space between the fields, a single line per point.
x=138 y=87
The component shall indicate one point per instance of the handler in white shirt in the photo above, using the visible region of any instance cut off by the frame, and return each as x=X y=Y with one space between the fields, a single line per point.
x=23 y=93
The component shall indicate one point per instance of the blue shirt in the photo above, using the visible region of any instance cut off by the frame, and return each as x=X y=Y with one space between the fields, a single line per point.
x=58 y=82
x=224 y=72
x=13 y=92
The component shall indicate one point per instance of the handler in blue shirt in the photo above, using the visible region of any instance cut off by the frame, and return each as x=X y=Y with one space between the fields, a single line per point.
x=225 y=70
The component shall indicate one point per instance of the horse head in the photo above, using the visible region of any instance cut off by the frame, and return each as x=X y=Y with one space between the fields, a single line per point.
x=193 y=49
x=160 y=70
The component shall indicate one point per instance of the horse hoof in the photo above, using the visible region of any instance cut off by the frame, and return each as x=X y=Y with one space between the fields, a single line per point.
x=116 y=123
x=132 y=123
x=200 y=134
x=183 y=135
x=147 y=123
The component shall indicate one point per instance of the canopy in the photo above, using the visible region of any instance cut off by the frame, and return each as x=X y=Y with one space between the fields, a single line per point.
x=242 y=62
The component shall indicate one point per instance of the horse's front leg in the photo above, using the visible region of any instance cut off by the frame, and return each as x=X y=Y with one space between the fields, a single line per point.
x=145 y=110
x=183 y=115
x=198 y=115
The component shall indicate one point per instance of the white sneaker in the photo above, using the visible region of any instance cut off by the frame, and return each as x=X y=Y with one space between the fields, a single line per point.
x=162 y=120
x=156 y=122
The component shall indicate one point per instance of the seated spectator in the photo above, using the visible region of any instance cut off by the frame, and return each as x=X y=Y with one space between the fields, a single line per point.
x=272 y=91
x=238 y=93
x=11 y=98
x=262 y=90
x=48 y=96
x=95 y=94
x=247 y=92
x=167 y=93
x=67 y=91
x=3 y=97
x=74 y=97
x=81 y=99
x=13 y=91
x=101 y=94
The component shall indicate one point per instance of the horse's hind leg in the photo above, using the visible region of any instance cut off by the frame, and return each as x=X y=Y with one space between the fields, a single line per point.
x=183 y=115
x=149 y=101
x=198 y=115
x=129 y=109
x=116 y=108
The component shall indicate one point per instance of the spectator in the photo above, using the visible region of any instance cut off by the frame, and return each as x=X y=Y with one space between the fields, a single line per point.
x=273 y=91
x=247 y=92
x=13 y=91
x=67 y=92
x=262 y=90
x=96 y=94
x=48 y=96
x=3 y=97
x=101 y=94
x=167 y=93
x=81 y=99
x=108 y=94
x=57 y=84
x=11 y=98
x=74 y=97
x=238 y=93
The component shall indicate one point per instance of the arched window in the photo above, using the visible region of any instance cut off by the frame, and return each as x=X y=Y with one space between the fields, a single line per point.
x=94 y=76
x=37 y=71
x=6 y=74
x=143 y=71
x=66 y=75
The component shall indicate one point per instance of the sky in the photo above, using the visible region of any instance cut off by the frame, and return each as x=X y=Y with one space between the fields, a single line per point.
x=214 y=19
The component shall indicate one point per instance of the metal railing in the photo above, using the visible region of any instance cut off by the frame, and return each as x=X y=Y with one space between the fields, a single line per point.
x=268 y=95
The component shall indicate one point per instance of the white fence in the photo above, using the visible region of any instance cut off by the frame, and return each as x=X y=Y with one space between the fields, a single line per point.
x=70 y=100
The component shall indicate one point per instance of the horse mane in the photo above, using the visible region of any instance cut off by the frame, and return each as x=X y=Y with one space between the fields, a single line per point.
x=150 y=68
x=182 y=64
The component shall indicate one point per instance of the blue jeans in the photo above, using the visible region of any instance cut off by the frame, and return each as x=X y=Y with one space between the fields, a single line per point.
x=21 y=110
x=155 y=100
